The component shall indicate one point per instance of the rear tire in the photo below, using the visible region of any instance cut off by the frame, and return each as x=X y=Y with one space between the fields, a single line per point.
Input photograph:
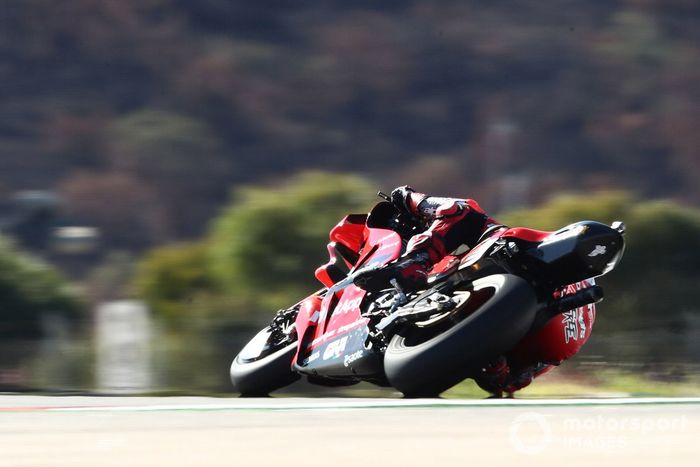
x=423 y=362
x=259 y=376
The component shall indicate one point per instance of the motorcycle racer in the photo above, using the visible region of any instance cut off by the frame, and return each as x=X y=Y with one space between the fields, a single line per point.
x=513 y=304
x=449 y=222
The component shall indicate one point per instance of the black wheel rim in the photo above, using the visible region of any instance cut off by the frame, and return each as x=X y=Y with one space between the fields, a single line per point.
x=419 y=333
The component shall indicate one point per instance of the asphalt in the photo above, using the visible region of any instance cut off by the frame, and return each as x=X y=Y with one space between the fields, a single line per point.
x=186 y=431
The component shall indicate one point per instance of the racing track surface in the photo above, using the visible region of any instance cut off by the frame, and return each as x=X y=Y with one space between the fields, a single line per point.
x=129 y=431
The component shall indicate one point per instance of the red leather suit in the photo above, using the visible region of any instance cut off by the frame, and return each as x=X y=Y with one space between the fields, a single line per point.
x=453 y=222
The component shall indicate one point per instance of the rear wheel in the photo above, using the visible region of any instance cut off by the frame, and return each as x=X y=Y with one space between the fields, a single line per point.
x=264 y=364
x=492 y=314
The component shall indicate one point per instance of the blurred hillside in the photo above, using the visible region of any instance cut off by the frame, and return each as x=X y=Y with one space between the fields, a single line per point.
x=155 y=108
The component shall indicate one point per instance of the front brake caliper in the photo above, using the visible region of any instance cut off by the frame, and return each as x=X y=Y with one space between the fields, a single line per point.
x=442 y=302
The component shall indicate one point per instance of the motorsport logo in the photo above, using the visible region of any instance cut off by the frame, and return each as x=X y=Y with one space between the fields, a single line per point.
x=533 y=432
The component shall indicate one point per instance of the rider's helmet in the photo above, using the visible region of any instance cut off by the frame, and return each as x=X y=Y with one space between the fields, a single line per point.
x=401 y=196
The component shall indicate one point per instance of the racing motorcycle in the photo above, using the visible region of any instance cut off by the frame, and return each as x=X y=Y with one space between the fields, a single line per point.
x=478 y=304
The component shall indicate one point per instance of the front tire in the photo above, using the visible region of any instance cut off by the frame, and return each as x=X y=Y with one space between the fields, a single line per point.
x=257 y=370
x=423 y=360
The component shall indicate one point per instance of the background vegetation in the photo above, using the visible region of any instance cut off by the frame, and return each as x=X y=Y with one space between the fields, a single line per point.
x=158 y=106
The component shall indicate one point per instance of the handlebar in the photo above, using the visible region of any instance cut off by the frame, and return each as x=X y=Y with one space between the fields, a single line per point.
x=384 y=196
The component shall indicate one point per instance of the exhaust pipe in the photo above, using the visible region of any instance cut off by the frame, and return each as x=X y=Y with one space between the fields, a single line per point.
x=581 y=298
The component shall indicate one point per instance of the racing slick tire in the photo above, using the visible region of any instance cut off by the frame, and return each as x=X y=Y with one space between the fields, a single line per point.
x=257 y=372
x=423 y=360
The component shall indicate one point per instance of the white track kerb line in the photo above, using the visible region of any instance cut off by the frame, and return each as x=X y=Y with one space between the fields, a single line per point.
x=319 y=404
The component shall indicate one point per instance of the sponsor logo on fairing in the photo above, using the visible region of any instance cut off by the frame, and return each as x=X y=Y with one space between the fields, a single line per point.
x=598 y=250
x=570 y=321
x=574 y=325
x=353 y=357
x=390 y=241
x=349 y=305
x=335 y=349
x=581 y=324
x=314 y=356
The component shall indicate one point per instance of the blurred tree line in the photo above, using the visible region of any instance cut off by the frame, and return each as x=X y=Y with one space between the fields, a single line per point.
x=31 y=290
x=258 y=256
x=36 y=304
x=154 y=108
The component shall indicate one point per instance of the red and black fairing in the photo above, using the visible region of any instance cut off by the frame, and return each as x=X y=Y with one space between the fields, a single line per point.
x=560 y=265
x=548 y=260
x=334 y=334
x=566 y=260
x=560 y=338
x=572 y=254
x=347 y=239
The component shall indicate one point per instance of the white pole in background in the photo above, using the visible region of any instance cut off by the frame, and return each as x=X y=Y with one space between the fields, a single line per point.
x=123 y=340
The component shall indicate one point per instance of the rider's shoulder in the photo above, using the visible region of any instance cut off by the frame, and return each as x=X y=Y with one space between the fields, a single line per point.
x=474 y=205
x=452 y=206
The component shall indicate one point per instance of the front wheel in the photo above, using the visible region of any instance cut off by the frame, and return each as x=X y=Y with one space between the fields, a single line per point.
x=264 y=364
x=492 y=314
